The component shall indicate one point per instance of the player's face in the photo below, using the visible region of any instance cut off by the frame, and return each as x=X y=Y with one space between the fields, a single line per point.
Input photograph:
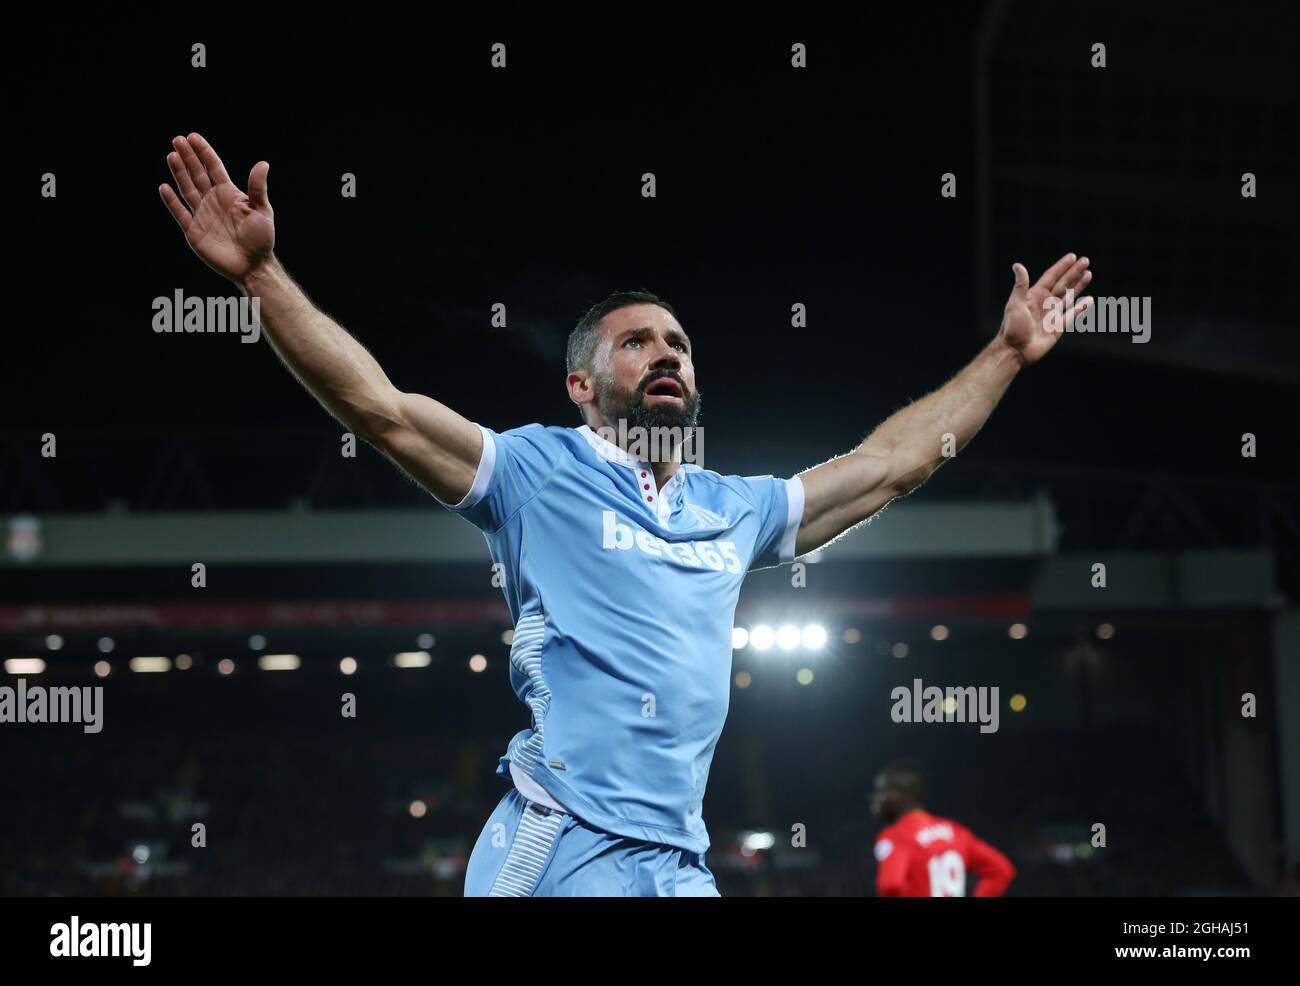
x=644 y=372
x=885 y=800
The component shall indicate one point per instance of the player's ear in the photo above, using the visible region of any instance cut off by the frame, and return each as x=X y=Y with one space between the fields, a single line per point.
x=578 y=383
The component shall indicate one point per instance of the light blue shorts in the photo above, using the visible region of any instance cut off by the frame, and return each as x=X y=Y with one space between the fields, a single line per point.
x=528 y=850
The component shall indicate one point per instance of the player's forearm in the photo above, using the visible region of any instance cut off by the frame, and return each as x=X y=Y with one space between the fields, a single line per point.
x=333 y=366
x=992 y=887
x=995 y=870
x=913 y=443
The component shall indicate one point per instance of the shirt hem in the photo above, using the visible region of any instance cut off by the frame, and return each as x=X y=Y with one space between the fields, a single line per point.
x=585 y=811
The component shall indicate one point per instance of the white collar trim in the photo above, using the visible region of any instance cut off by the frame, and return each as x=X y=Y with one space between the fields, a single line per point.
x=608 y=450
x=612 y=453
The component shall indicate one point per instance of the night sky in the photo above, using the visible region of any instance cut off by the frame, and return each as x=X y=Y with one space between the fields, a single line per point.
x=775 y=186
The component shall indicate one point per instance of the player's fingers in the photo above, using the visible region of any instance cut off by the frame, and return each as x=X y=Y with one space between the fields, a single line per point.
x=216 y=171
x=1077 y=310
x=198 y=174
x=175 y=206
x=1053 y=273
x=257 y=185
x=1084 y=280
x=1072 y=278
x=183 y=181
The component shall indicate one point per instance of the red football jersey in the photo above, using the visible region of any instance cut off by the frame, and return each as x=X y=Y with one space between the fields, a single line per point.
x=922 y=855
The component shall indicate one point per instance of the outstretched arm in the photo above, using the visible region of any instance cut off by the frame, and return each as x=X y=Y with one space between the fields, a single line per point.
x=910 y=445
x=234 y=234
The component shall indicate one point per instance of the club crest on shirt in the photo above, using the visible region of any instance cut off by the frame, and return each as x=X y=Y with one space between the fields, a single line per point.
x=707 y=517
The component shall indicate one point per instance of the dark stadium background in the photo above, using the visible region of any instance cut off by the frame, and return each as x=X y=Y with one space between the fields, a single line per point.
x=774 y=186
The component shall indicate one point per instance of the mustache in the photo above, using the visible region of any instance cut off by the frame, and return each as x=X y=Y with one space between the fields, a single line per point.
x=664 y=375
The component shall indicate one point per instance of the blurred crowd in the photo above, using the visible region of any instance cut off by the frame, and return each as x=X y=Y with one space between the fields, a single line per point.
x=317 y=813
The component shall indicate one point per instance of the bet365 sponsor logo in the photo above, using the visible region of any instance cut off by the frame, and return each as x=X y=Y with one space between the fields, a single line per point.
x=717 y=555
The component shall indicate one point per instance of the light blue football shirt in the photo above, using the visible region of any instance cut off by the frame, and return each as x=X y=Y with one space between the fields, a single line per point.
x=623 y=597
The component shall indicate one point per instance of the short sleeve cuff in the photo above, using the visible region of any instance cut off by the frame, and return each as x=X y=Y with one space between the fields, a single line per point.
x=482 y=476
x=794 y=496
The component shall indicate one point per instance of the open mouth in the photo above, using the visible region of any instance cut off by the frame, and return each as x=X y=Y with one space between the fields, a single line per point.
x=665 y=387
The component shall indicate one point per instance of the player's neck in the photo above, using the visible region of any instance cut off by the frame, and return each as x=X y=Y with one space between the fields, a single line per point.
x=664 y=471
x=643 y=452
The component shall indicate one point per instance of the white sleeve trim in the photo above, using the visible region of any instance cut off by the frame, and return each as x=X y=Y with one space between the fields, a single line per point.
x=794 y=495
x=486 y=463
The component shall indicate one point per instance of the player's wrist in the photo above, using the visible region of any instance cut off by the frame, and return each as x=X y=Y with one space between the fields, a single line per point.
x=260 y=274
x=1005 y=354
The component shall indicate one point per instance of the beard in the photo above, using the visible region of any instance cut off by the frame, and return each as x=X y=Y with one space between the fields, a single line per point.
x=620 y=404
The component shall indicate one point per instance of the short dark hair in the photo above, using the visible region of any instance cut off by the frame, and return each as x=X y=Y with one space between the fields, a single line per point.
x=906 y=777
x=582 y=340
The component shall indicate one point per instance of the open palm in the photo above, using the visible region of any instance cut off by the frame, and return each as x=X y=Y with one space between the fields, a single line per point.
x=1029 y=319
x=230 y=231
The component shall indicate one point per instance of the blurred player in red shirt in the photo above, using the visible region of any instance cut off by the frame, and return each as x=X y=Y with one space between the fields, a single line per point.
x=922 y=855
